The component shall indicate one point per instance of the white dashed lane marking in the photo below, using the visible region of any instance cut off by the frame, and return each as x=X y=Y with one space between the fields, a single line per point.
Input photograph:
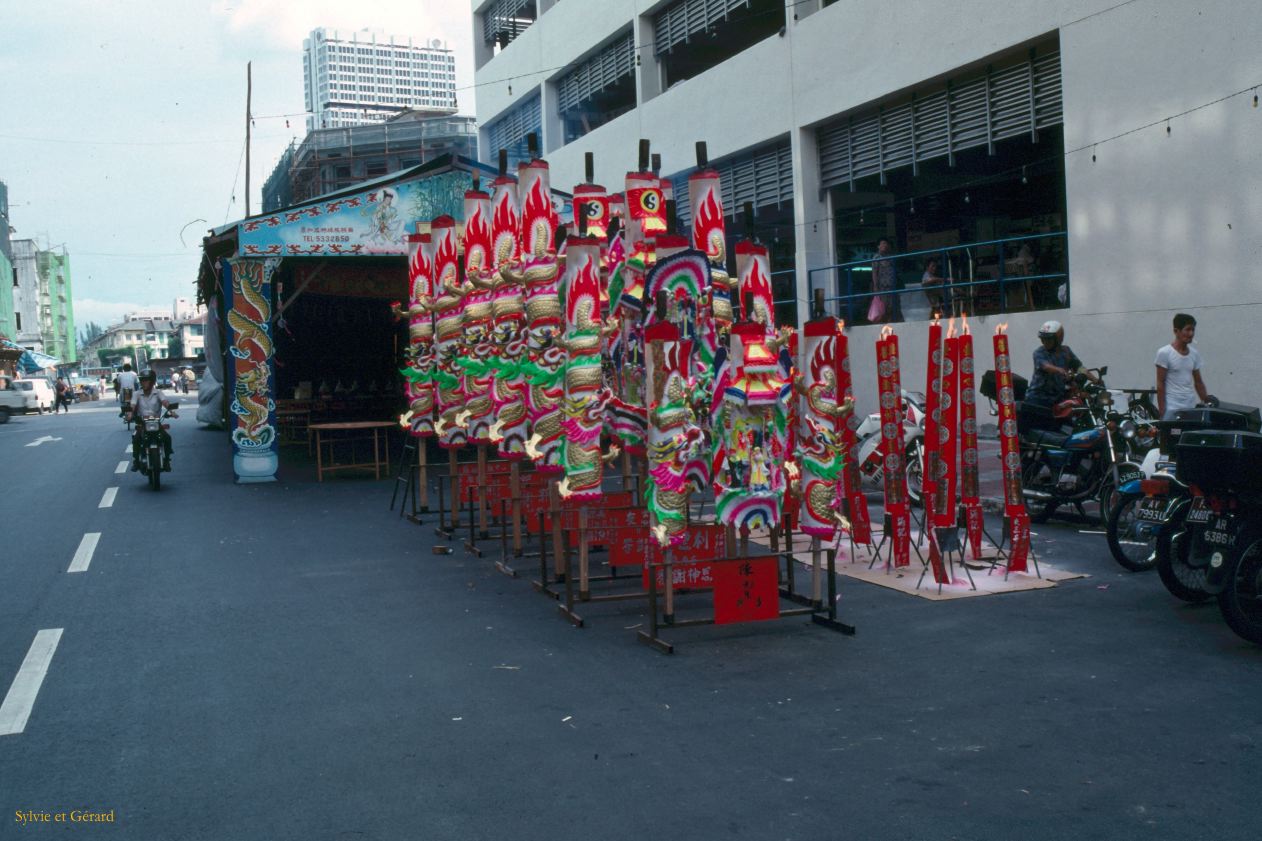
x=107 y=499
x=18 y=703
x=83 y=555
x=122 y=466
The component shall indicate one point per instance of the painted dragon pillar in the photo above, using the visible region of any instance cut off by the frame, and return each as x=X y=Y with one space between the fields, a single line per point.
x=508 y=307
x=253 y=405
x=673 y=433
x=820 y=452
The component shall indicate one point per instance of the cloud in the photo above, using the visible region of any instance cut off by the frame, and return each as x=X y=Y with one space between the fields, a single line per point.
x=105 y=313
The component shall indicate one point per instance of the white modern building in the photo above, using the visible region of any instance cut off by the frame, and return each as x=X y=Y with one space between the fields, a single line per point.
x=367 y=76
x=1089 y=161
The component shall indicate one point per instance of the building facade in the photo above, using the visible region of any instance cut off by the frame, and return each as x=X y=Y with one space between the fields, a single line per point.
x=1054 y=157
x=137 y=339
x=332 y=159
x=367 y=76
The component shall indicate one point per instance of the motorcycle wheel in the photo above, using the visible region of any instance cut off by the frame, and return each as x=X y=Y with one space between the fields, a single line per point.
x=1183 y=582
x=1108 y=498
x=155 y=469
x=1132 y=541
x=1241 y=602
x=915 y=461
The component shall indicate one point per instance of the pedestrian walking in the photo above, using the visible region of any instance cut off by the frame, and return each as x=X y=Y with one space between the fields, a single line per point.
x=1179 y=383
x=63 y=396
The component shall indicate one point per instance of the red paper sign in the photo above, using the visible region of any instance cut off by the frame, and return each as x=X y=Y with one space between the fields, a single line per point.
x=746 y=591
x=1020 y=543
x=704 y=542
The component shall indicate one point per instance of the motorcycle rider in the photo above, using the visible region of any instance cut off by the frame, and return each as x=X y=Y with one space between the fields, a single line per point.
x=1054 y=367
x=149 y=403
x=127 y=385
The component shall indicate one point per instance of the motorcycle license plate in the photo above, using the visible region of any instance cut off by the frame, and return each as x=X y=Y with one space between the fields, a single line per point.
x=1154 y=509
x=1200 y=511
x=1220 y=533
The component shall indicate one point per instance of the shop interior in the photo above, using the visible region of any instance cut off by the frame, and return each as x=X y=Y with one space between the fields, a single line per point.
x=943 y=210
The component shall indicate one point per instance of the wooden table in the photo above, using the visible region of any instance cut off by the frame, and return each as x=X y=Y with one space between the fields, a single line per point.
x=380 y=448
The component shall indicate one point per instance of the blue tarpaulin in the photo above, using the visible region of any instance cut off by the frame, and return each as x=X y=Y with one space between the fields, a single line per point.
x=32 y=361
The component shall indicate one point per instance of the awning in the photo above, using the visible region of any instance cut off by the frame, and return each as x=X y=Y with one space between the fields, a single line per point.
x=32 y=361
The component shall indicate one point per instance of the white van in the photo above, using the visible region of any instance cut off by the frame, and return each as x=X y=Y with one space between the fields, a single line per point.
x=39 y=394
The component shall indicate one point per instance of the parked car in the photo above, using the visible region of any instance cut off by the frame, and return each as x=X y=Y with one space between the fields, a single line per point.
x=38 y=394
x=12 y=402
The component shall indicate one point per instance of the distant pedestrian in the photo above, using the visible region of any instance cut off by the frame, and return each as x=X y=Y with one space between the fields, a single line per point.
x=63 y=396
x=884 y=279
x=1179 y=382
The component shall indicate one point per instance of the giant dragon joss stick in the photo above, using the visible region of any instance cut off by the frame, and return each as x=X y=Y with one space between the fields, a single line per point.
x=856 y=502
x=449 y=324
x=508 y=389
x=585 y=395
x=820 y=449
x=540 y=270
x=419 y=371
x=709 y=235
x=476 y=362
x=750 y=416
x=673 y=433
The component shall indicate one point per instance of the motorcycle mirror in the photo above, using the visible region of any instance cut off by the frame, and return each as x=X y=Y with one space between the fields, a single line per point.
x=1104 y=371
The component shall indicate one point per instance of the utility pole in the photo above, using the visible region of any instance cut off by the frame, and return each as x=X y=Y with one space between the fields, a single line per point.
x=249 y=89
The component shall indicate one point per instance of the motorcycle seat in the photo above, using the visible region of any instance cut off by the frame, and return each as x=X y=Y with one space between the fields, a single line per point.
x=1044 y=437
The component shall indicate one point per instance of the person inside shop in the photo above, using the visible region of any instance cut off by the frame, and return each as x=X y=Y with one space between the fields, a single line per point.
x=149 y=403
x=931 y=283
x=1055 y=365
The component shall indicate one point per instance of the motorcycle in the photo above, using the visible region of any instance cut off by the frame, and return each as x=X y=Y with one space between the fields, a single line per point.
x=1142 y=508
x=1083 y=459
x=149 y=458
x=871 y=445
x=1182 y=509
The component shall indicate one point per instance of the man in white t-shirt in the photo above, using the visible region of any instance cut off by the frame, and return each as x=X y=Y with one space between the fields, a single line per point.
x=1179 y=384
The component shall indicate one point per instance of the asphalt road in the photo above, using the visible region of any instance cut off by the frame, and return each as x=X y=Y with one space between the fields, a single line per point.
x=291 y=661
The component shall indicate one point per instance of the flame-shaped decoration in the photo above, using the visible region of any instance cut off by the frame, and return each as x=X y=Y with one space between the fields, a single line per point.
x=887 y=331
x=1001 y=328
x=964 y=331
x=584 y=290
x=823 y=358
x=477 y=234
x=504 y=221
x=755 y=280
x=707 y=225
x=419 y=267
x=444 y=270
x=536 y=216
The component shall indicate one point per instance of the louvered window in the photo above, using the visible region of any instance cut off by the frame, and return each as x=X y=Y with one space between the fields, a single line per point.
x=509 y=131
x=1013 y=100
x=614 y=62
x=504 y=20
x=674 y=24
x=763 y=176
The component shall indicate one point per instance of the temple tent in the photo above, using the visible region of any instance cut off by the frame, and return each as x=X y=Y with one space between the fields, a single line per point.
x=299 y=306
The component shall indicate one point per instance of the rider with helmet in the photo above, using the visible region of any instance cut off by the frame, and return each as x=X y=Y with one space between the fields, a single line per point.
x=149 y=403
x=1054 y=367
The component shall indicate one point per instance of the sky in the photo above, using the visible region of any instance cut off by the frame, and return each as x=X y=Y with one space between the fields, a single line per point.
x=123 y=128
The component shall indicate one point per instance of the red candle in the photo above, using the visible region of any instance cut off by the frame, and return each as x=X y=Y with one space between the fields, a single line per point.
x=890 y=382
x=933 y=402
x=949 y=432
x=1014 y=503
x=970 y=490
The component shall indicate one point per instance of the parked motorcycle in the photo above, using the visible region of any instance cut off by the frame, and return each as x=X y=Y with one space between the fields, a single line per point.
x=1083 y=460
x=871 y=445
x=149 y=458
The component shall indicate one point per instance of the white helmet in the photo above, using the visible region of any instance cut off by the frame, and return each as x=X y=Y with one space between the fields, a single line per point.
x=1050 y=329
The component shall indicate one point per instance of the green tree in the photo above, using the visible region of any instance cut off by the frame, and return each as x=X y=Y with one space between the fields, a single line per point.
x=175 y=346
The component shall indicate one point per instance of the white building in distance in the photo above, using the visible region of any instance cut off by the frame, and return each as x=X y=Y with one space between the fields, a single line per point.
x=1088 y=161
x=356 y=78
